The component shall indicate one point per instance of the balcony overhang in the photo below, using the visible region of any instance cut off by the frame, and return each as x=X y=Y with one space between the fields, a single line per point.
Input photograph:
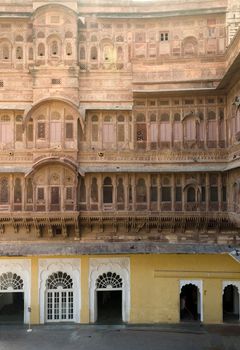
x=79 y=248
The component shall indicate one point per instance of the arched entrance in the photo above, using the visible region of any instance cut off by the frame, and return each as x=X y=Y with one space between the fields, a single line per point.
x=231 y=303
x=11 y=298
x=109 y=298
x=190 y=302
x=109 y=294
x=59 y=298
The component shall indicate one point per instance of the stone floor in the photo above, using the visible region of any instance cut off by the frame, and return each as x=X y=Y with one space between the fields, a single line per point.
x=85 y=337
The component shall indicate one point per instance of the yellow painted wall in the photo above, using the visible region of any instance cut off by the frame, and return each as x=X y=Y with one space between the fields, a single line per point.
x=155 y=285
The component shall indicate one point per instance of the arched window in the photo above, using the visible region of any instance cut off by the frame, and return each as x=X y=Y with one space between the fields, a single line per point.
x=11 y=280
x=41 y=50
x=107 y=190
x=94 y=53
x=59 y=279
x=69 y=49
x=191 y=196
x=94 y=127
x=141 y=191
x=109 y=280
x=54 y=48
x=82 y=53
x=5 y=52
x=108 y=53
x=19 y=53
x=120 y=194
x=29 y=191
x=4 y=191
x=17 y=191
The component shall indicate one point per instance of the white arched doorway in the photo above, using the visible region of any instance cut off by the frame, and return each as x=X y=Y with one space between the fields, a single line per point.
x=231 y=301
x=15 y=291
x=190 y=300
x=59 y=297
x=109 y=290
x=59 y=292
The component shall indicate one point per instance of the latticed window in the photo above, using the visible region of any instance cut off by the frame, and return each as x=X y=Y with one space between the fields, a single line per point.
x=11 y=280
x=54 y=48
x=109 y=280
x=141 y=132
x=141 y=191
x=19 y=53
x=55 y=195
x=5 y=51
x=94 y=128
x=29 y=191
x=213 y=188
x=6 y=130
x=59 y=279
x=41 y=50
x=69 y=131
x=94 y=190
x=41 y=130
x=30 y=130
x=4 y=190
x=120 y=191
x=82 y=191
x=19 y=129
x=68 y=49
x=18 y=191
x=40 y=193
x=120 y=128
x=94 y=53
x=108 y=130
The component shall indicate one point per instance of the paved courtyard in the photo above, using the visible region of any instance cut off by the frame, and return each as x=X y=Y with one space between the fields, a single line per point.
x=164 y=337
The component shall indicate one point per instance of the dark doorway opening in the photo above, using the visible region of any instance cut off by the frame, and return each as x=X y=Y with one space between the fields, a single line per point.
x=190 y=303
x=11 y=307
x=109 y=307
x=230 y=304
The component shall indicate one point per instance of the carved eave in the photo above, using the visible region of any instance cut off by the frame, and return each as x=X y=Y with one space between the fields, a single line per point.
x=54 y=160
x=31 y=108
